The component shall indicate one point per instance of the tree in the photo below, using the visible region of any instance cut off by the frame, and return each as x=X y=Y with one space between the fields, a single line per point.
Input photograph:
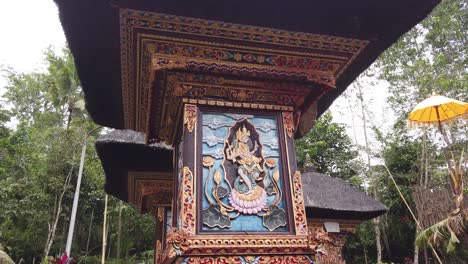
x=39 y=164
x=431 y=58
x=329 y=149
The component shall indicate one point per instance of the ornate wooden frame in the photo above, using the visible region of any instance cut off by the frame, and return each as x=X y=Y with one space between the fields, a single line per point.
x=153 y=43
x=185 y=240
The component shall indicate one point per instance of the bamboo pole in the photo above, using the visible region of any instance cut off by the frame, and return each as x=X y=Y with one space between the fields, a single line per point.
x=103 y=257
x=409 y=208
x=76 y=197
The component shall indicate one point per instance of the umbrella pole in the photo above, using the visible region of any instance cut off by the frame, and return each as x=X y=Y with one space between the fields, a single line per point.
x=452 y=173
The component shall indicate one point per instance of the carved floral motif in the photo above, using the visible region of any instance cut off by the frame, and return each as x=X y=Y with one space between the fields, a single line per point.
x=288 y=123
x=300 y=218
x=177 y=242
x=190 y=117
x=297 y=259
x=188 y=202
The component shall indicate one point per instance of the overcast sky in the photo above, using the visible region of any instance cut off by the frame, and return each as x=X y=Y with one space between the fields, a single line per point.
x=27 y=28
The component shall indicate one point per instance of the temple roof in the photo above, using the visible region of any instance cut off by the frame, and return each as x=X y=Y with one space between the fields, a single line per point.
x=333 y=198
x=93 y=31
x=122 y=151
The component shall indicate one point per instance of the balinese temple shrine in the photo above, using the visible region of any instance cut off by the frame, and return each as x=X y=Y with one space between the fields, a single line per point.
x=207 y=98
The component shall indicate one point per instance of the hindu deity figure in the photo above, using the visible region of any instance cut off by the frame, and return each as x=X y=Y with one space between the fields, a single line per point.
x=247 y=196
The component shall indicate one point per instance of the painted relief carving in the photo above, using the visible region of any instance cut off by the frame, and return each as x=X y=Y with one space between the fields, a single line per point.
x=247 y=197
x=244 y=184
x=288 y=123
x=327 y=246
x=318 y=237
x=299 y=259
x=190 y=117
x=158 y=251
x=188 y=202
x=300 y=217
x=178 y=242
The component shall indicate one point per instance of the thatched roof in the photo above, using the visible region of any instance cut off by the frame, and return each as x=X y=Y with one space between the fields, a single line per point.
x=92 y=31
x=333 y=198
x=4 y=258
x=121 y=151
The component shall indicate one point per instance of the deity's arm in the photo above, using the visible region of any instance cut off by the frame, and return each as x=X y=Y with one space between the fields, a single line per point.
x=229 y=152
x=255 y=148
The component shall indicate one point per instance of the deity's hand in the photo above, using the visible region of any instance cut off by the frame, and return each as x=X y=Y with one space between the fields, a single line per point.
x=257 y=176
x=229 y=150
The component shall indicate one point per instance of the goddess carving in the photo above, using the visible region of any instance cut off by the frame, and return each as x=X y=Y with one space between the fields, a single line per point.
x=245 y=185
x=247 y=196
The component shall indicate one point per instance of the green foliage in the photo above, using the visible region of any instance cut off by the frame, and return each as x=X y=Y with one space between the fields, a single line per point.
x=429 y=58
x=328 y=148
x=37 y=155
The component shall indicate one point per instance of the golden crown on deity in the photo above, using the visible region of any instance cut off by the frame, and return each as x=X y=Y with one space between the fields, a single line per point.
x=241 y=132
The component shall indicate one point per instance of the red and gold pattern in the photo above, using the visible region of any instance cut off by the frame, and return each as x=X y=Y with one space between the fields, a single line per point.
x=153 y=43
x=318 y=237
x=300 y=218
x=190 y=117
x=296 y=259
x=158 y=251
x=188 y=203
x=149 y=189
x=288 y=123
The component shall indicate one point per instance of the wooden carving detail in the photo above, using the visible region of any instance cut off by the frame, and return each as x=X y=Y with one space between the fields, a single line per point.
x=298 y=259
x=300 y=218
x=167 y=64
x=152 y=42
x=318 y=237
x=190 y=117
x=177 y=241
x=288 y=123
x=158 y=251
x=188 y=202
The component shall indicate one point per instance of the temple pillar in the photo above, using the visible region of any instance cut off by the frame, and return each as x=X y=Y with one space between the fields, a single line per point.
x=238 y=194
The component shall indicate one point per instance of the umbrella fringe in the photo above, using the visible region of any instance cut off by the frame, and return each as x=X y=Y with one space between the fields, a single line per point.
x=418 y=124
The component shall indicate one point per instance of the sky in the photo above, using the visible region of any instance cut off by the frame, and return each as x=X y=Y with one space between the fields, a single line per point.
x=28 y=27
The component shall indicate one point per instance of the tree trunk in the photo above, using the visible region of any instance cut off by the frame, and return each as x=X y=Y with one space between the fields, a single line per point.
x=103 y=255
x=89 y=232
x=119 y=229
x=109 y=239
x=385 y=237
x=365 y=255
x=416 y=250
x=376 y=220
x=56 y=217
x=426 y=256
x=377 y=239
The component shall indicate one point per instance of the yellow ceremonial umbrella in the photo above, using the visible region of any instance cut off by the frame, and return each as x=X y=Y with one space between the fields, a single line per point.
x=437 y=109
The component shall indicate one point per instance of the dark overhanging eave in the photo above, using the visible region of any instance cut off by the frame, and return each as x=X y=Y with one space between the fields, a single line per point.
x=118 y=158
x=322 y=213
x=92 y=31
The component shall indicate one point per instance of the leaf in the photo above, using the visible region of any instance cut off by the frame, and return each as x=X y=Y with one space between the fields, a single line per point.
x=275 y=218
x=217 y=177
x=221 y=192
x=276 y=175
x=213 y=217
x=270 y=190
